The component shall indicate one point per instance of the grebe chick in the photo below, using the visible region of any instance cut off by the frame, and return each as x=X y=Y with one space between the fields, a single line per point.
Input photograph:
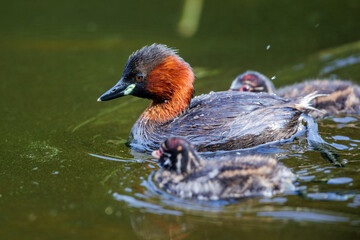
x=251 y=81
x=343 y=97
x=185 y=174
x=214 y=121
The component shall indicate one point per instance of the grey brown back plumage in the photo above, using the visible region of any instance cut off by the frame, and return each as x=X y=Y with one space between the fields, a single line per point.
x=343 y=96
x=227 y=121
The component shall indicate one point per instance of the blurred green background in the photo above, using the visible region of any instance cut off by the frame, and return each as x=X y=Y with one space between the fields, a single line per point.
x=58 y=57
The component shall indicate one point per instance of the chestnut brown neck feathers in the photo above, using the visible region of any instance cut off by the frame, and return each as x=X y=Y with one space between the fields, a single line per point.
x=171 y=84
x=156 y=72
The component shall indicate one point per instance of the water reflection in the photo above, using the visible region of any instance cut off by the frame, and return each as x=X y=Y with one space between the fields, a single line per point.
x=329 y=196
x=150 y=226
x=304 y=216
x=154 y=226
x=340 y=63
x=190 y=17
x=339 y=180
x=330 y=63
x=151 y=208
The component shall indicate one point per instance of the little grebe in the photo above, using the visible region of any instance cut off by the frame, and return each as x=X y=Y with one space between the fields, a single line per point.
x=214 y=121
x=343 y=97
x=185 y=174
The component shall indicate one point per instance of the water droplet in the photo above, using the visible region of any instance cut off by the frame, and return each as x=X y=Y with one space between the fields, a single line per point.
x=128 y=189
x=273 y=77
x=196 y=117
x=35 y=168
x=55 y=173
x=268 y=47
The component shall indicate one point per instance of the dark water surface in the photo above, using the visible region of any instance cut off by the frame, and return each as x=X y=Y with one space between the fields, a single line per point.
x=65 y=171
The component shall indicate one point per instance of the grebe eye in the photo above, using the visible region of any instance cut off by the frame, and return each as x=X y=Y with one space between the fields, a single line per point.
x=139 y=78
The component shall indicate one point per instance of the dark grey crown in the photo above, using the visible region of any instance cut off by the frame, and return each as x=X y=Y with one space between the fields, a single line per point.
x=145 y=59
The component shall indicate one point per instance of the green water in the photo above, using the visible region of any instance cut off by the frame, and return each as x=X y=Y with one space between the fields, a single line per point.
x=65 y=171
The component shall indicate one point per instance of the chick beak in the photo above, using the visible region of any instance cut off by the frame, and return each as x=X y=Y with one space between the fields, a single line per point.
x=156 y=154
x=120 y=89
x=245 y=88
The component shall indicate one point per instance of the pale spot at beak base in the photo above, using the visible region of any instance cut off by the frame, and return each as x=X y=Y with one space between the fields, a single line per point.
x=156 y=154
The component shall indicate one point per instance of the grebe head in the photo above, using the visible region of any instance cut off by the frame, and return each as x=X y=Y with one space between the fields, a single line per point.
x=178 y=155
x=155 y=72
x=252 y=81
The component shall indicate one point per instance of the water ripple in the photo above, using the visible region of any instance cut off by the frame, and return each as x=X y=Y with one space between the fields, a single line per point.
x=340 y=180
x=152 y=208
x=303 y=216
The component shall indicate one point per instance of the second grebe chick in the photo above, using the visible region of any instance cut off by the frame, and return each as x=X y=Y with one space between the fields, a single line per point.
x=251 y=81
x=185 y=174
x=215 y=121
x=343 y=97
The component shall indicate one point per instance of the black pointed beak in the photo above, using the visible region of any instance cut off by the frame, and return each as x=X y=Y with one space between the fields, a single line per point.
x=120 y=89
